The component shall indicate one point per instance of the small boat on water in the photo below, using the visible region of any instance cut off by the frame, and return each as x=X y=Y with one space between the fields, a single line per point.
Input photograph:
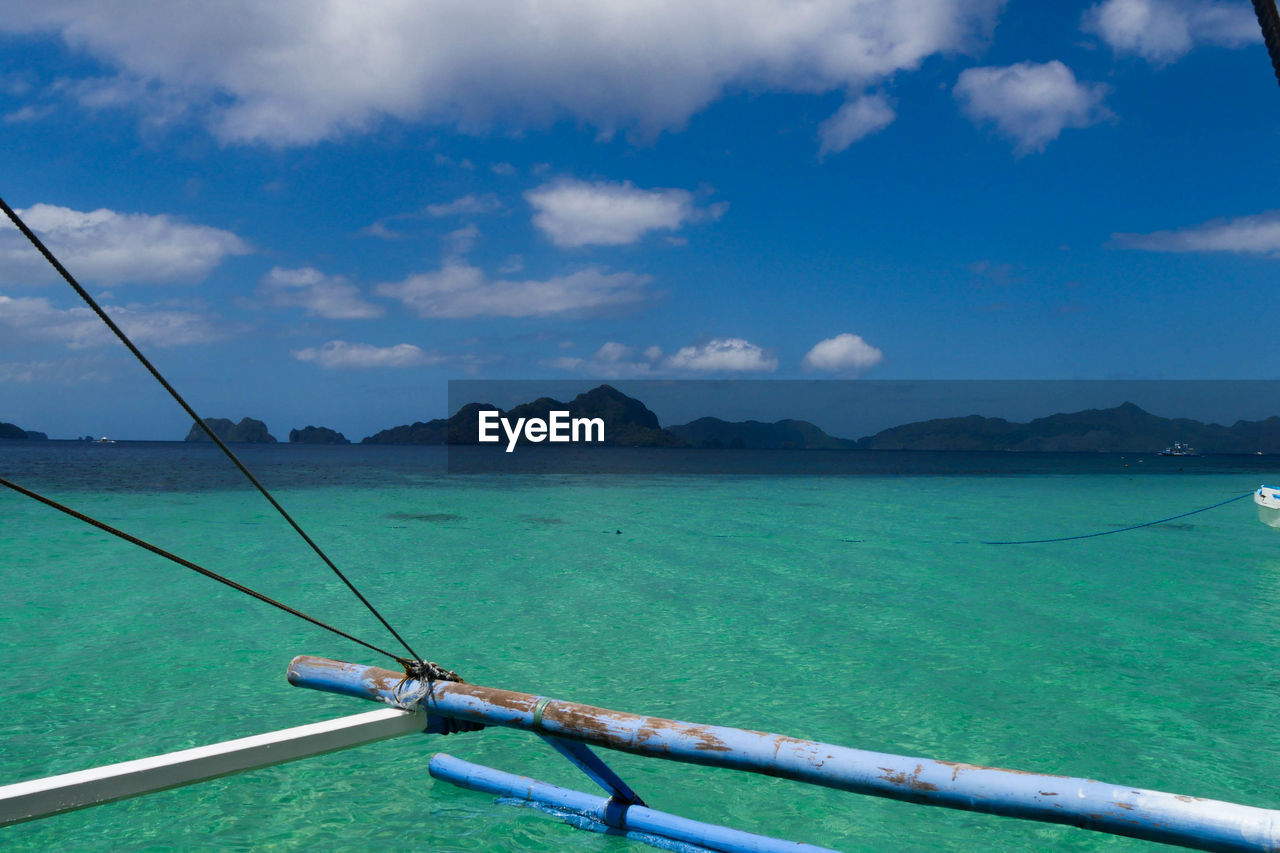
x=1178 y=448
x=104 y=440
x=1268 y=500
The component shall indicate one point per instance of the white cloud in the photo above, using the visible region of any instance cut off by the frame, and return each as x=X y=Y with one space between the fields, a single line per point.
x=1030 y=103
x=28 y=113
x=844 y=353
x=1163 y=31
x=318 y=294
x=445 y=160
x=37 y=319
x=341 y=354
x=581 y=213
x=723 y=355
x=1255 y=235
x=380 y=230
x=460 y=240
x=467 y=205
x=294 y=72
x=853 y=121
x=107 y=247
x=67 y=371
x=564 y=362
x=504 y=169
x=612 y=360
x=460 y=290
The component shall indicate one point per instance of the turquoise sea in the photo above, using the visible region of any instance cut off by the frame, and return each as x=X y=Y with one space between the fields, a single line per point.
x=859 y=609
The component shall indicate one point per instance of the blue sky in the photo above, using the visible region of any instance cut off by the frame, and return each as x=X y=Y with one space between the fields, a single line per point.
x=320 y=213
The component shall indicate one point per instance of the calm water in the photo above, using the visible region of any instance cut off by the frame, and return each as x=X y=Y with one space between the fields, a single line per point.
x=857 y=609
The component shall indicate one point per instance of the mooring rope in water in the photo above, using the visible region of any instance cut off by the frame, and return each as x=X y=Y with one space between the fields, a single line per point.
x=1122 y=529
x=137 y=353
x=156 y=549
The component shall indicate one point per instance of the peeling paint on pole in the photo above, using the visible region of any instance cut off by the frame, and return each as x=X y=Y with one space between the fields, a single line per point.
x=1117 y=809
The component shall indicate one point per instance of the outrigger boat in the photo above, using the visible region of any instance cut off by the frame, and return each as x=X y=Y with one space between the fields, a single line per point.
x=1267 y=499
x=439 y=706
x=428 y=699
x=425 y=698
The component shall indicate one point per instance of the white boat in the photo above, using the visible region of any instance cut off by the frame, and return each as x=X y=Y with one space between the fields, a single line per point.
x=1268 y=500
x=1178 y=448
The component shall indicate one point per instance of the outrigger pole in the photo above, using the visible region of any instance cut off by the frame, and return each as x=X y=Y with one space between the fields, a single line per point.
x=1116 y=809
x=447 y=706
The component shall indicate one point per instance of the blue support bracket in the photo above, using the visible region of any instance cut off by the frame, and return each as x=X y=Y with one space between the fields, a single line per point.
x=602 y=774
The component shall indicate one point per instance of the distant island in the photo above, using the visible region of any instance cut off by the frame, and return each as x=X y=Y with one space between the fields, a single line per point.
x=248 y=430
x=13 y=432
x=316 y=435
x=754 y=435
x=629 y=423
x=1125 y=428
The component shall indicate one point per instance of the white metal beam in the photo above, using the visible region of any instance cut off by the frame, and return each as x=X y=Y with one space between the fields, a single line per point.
x=52 y=795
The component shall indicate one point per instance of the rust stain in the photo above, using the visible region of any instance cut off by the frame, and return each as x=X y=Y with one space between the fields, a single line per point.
x=582 y=724
x=652 y=728
x=1127 y=806
x=912 y=782
x=707 y=742
x=1048 y=793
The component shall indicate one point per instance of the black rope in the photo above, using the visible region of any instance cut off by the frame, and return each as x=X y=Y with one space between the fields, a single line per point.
x=1269 y=20
x=1122 y=529
x=70 y=279
x=155 y=549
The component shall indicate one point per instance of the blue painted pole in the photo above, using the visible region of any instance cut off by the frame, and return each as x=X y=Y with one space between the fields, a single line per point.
x=1117 y=809
x=627 y=820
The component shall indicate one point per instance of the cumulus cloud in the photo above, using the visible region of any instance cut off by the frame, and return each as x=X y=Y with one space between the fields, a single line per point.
x=37 y=319
x=341 y=354
x=844 y=353
x=1030 y=103
x=318 y=294
x=266 y=71
x=723 y=355
x=857 y=118
x=581 y=213
x=107 y=247
x=1163 y=31
x=467 y=205
x=460 y=290
x=1254 y=235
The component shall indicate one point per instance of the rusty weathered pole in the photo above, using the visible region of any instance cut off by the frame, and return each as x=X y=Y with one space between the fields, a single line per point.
x=1117 y=809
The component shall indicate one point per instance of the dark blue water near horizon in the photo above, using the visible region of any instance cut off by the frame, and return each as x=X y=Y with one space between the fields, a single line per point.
x=181 y=466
